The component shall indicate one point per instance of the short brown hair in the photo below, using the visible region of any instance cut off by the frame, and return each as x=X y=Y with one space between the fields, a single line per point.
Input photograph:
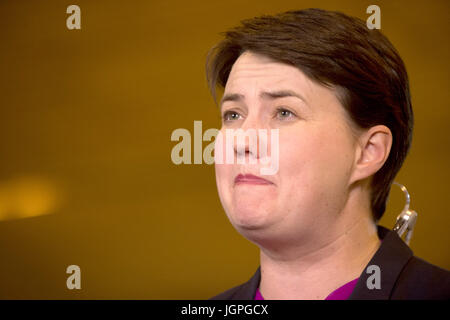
x=340 y=52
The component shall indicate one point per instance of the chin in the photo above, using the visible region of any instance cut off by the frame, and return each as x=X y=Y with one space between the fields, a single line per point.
x=244 y=219
x=258 y=231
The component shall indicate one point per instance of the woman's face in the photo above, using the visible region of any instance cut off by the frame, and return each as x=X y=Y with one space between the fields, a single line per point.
x=316 y=152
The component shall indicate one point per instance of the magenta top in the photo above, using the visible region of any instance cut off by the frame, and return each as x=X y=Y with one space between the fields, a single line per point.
x=341 y=293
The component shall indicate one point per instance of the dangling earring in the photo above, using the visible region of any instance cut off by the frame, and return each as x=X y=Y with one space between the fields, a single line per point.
x=406 y=220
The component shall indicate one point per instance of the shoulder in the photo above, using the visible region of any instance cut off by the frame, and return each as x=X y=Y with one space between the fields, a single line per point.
x=422 y=280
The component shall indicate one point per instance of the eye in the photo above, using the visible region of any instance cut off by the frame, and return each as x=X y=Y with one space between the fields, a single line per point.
x=283 y=113
x=231 y=115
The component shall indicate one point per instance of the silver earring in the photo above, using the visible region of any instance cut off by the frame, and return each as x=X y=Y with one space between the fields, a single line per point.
x=406 y=220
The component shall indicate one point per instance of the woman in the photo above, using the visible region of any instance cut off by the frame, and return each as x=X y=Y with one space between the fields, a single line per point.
x=337 y=94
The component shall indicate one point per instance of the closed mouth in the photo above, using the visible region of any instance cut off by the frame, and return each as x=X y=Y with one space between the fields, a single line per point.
x=250 y=179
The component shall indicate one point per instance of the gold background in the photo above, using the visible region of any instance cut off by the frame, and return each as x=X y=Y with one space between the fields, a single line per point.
x=86 y=117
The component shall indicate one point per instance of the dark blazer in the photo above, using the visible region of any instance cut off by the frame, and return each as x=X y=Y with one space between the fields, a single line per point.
x=402 y=276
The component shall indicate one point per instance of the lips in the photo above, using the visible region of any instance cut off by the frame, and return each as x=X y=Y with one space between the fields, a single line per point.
x=250 y=179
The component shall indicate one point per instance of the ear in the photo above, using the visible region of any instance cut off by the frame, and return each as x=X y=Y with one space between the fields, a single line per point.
x=372 y=151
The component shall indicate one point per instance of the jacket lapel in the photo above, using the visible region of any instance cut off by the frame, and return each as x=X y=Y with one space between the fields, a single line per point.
x=248 y=290
x=391 y=258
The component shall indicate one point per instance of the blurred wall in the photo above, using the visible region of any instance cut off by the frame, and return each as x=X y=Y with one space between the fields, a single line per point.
x=86 y=117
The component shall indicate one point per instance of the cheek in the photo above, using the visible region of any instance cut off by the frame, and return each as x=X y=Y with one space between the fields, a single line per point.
x=223 y=181
x=221 y=174
x=314 y=162
x=222 y=169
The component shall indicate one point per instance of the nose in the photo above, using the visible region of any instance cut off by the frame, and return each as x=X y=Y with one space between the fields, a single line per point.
x=243 y=150
x=248 y=139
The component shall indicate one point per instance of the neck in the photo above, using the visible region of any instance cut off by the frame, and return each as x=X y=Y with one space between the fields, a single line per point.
x=310 y=271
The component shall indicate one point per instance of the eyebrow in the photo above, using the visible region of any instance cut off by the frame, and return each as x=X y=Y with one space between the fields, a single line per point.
x=265 y=95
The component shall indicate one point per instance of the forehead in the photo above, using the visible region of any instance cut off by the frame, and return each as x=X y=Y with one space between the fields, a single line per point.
x=255 y=69
x=253 y=73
